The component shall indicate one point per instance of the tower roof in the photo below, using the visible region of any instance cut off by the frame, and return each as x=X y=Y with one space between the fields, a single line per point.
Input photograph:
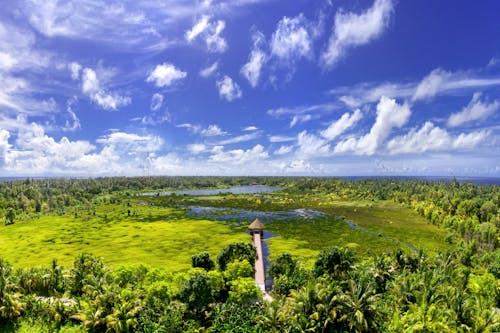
x=256 y=225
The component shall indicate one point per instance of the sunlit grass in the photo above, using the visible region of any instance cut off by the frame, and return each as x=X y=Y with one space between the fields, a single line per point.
x=154 y=237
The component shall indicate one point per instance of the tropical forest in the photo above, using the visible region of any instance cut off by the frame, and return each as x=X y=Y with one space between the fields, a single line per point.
x=174 y=254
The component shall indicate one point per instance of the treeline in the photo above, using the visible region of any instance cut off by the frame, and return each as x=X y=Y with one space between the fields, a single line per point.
x=395 y=292
x=54 y=195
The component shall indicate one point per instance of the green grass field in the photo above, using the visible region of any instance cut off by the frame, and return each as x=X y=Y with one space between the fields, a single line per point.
x=166 y=238
x=155 y=237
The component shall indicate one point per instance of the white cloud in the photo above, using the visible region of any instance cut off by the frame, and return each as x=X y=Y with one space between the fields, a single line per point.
x=210 y=31
x=339 y=126
x=215 y=42
x=303 y=109
x=75 y=69
x=212 y=130
x=292 y=40
x=432 y=138
x=131 y=143
x=73 y=123
x=90 y=83
x=300 y=119
x=196 y=148
x=280 y=138
x=431 y=84
x=156 y=101
x=440 y=81
x=257 y=58
x=475 y=110
x=91 y=87
x=238 y=156
x=312 y=146
x=165 y=75
x=352 y=30
x=228 y=89
x=389 y=115
x=241 y=138
x=364 y=93
x=283 y=150
x=198 y=28
x=250 y=128
x=210 y=70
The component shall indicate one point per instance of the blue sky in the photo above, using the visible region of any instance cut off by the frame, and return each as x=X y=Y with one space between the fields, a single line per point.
x=249 y=87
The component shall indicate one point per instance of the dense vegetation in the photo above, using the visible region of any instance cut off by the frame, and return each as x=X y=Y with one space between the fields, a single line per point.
x=452 y=285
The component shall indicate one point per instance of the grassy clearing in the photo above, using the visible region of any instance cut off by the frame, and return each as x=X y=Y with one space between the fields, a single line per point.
x=393 y=221
x=154 y=236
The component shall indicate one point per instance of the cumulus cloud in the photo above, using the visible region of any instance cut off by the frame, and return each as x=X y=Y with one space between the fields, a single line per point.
x=350 y=30
x=432 y=138
x=228 y=89
x=475 y=110
x=257 y=58
x=156 y=102
x=210 y=31
x=341 y=125
x=212 y=130
x=75 y=69
x=92 y=88
x=196 y=148
x=312 y=145
x=283 y=150
x=292 y=40
x=130 y=143
x=389 y=115
x=210 y=70
x=165 y=75
x=238 y=156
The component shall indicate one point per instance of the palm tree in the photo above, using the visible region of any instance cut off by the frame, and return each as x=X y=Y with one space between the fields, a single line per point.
x=358 y=306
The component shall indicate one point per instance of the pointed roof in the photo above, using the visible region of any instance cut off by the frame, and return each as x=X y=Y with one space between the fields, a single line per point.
x=256 y=225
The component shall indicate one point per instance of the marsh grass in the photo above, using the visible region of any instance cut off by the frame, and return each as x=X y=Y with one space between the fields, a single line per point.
x=157 y=237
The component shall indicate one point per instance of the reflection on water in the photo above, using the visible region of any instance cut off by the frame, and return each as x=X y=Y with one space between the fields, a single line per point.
x=236 y=214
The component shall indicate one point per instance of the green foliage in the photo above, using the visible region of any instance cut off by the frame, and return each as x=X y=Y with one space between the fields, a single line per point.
x=238 y=269
x=196 y=293
x=237 y=251
x=87 y=274
x=236 y=318
x=202 y=260
x=11 y=306
x=284 y=264
x=335 y=261
x=243 y=290
x=10 y=216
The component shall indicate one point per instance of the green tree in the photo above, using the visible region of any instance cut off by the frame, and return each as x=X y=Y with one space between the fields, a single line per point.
x=196 y=293
x=237 y=251
x=202 y=260
x=283 y=265
x=334 y=261
x=10 y=216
